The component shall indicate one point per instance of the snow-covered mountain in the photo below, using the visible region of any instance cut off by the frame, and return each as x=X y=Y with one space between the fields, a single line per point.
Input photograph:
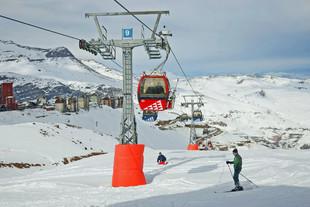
x=51 y=71
x=273 y=111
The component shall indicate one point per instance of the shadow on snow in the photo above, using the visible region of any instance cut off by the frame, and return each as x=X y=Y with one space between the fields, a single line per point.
x=264 y=196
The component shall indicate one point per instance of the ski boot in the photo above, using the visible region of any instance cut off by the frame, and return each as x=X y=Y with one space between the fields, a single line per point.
x=237 y=188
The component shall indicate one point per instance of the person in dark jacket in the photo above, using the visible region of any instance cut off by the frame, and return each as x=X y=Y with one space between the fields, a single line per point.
x=237 y=169
x=161 y=159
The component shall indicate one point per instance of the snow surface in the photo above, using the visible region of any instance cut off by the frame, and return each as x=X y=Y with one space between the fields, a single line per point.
x=190 y=179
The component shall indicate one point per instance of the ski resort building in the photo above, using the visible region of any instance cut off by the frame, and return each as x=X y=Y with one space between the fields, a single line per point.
x=94 y=99
x=72 y=104
x=114 y=102
x=83 y=102
x=60 y=104
x=7 y=99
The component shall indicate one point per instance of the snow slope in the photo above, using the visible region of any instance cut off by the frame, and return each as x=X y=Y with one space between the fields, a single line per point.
x=48 y=144
x=190 y=179
x=98 y=67
x=100 y=120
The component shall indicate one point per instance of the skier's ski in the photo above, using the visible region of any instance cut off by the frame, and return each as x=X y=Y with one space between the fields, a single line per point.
x=234 y=190
x=229 y=191
x=240 y=188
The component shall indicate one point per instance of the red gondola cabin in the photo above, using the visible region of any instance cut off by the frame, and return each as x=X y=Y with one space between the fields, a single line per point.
x=154 y=93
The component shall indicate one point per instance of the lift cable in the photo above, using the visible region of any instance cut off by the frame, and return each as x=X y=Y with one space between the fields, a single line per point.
x=116 y=63
x=134 y=16
x=38 y=27
x=49 y=30
x=181 y=68
x=174 y=55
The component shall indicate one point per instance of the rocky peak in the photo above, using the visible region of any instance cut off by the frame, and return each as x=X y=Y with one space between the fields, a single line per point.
x=58 y=52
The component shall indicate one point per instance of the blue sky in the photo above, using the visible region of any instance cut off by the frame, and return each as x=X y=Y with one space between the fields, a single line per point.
x=209 y=36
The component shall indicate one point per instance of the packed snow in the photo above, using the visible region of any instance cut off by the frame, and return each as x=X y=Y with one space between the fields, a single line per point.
x=190 y=179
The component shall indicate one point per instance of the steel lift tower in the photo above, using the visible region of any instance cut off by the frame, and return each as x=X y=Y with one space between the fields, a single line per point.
x=196 y=100
x=128 y=160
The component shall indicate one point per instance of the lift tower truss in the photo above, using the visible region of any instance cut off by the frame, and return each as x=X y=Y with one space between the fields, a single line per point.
x=195 y=100
x=106 y=48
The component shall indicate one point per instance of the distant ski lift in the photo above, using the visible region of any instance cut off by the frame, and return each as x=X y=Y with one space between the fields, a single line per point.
x=149 y=116
x=197 y=115
x=154 y=93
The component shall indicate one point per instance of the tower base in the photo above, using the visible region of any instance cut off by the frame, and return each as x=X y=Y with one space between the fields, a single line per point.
x=128 y=165
x=192 y=147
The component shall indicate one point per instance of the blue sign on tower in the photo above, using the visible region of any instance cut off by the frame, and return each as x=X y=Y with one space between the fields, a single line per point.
x=128 y=33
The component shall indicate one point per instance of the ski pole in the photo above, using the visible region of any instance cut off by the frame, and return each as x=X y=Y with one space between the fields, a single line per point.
x=248 y=180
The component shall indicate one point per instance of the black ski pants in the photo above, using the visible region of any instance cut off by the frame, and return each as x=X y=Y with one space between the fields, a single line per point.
x=236 y=177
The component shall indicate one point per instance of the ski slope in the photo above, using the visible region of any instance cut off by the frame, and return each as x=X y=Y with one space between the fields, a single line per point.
x=190 y=179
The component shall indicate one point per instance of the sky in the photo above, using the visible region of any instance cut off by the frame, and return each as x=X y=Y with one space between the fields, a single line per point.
x=209 y=36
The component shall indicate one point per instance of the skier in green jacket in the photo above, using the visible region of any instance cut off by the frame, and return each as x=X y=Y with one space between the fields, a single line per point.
x=237 y=169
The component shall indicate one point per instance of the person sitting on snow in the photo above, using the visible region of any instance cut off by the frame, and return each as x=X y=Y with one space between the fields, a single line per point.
x=237 y=169
x=161 y=159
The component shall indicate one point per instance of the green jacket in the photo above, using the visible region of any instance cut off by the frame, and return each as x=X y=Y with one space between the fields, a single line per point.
x=237 y=162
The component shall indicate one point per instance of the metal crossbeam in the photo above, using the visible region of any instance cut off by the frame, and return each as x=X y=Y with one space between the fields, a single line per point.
x=125 y=13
